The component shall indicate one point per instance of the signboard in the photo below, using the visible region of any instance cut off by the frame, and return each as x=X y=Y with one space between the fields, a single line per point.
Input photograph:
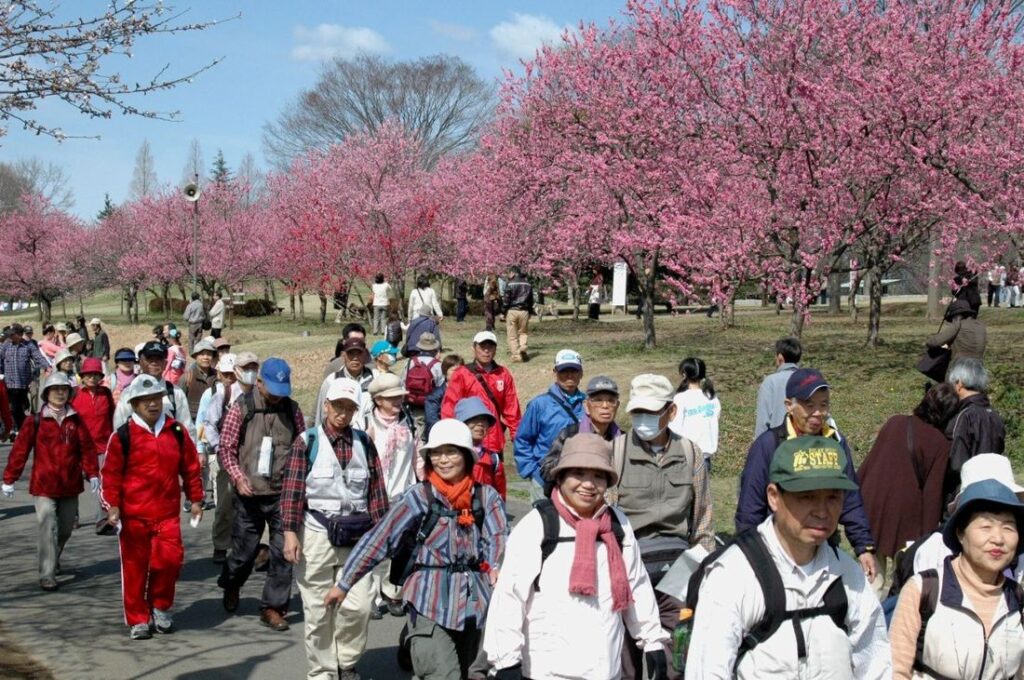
x=619 y=278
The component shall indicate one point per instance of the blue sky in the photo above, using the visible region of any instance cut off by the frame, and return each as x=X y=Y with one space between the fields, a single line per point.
x=271 y=53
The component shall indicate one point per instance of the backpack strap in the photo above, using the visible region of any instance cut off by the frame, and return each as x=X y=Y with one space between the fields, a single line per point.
x=170 y=397
x=311 y=445
x=834 y=604
x=926 y=607
x=565 y=407
x=754 y=549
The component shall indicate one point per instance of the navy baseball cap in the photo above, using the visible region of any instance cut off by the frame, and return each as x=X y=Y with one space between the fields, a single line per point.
x=154 y=349
x=277 y=377
x=804 y=382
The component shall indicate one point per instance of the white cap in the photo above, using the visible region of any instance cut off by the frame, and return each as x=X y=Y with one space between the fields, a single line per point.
x=485 y=336
x=344 y=388
x=449 y=431
x=983 y=466
x=145 y=386
x=650 y=392
x=226 y=363
x=95 y=321
x=568 y=358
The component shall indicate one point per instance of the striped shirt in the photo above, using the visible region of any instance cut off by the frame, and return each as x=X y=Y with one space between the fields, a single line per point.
x=446 y=597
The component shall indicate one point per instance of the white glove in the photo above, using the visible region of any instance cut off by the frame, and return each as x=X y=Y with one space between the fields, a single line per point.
x=94 y=484
x=7 y=490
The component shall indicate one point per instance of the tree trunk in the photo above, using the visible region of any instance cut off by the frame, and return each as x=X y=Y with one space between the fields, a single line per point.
x=573 y=297
x=124 y=293
x=399 y=287
x=167 y=301
x=874 y=283
x=64 y=306
x=133 y=303
x=934 y=278
x=764 y=297
x=291 y=304
x=727 y=315
x=302 y=306
x=45 y=309
x=835 y=292
x=81 y=305
x=796 y=322
x=323 y=307
x=645 y=281
x=852 y=300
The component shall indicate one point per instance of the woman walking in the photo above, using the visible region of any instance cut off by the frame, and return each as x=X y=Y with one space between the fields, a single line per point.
x=697 y=408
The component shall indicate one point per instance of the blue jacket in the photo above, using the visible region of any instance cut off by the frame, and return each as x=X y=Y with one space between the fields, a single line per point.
x=752 y=507
x=545 y=417
x=432 y=408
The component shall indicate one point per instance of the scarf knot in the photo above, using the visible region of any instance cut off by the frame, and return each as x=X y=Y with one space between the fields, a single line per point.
x=459 y=495
x=583 y=576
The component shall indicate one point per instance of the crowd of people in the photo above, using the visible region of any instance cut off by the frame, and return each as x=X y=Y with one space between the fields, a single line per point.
x=388 y=498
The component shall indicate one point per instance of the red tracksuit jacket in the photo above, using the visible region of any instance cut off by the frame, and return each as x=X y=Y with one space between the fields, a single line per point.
x=149 y=488
x=5 y=408
x=97 y=412
x=490 y=470
x=62 y=454
x=464 y=384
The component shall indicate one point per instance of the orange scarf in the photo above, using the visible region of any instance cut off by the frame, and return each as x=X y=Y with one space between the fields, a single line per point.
x=459 y=495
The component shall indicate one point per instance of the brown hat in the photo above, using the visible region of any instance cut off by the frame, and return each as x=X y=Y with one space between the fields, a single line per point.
x=356 y=343
x=588 y=451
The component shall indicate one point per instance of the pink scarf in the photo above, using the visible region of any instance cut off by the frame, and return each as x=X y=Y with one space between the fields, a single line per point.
x=583 y=577
x=395 y=436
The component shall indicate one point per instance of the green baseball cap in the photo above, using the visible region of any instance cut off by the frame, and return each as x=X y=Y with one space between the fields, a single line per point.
x=810 y=463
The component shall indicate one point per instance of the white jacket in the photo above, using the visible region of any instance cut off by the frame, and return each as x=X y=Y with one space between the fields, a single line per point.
x=954 y=642
x=217 y=314
x=553 y=633
x=731 y=593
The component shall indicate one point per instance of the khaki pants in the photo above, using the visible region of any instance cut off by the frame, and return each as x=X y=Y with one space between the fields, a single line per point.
x=517 y=322
x=380 y=586
x=334 y=638
x=55 y=519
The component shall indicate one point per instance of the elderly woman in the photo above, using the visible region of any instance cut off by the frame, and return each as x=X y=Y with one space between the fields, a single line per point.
x=964 y=620
x=449 y=572
x=564 y=602
x=961 y=332
x=902 y=477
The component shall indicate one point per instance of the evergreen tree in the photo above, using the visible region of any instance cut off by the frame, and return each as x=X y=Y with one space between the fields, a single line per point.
x=108 y=208
x=220 y=174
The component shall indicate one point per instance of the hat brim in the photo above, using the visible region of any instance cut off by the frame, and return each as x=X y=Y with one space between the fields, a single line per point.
x=572 y=365
x=391 y=392
x=949 y=529
x=478 y=414
x=429 y=347
x=799 y=484
x=277 y=389
x=613 y=476
x=805 y=394
x=651 y=404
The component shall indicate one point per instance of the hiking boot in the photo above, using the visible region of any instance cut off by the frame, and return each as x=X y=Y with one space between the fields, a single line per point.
x=231 y=596
x=209 y=505
x=163 y=623
x=396 y=608
x=524 y=356
x=220 y=556
x=140 y=631
x=262 y=558
x=350 y=674
x=186 y=506
x=272 y=619
x=48 y=584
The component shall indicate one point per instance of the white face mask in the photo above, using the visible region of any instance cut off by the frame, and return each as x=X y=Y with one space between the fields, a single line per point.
x=647 y=425
x=247 y=377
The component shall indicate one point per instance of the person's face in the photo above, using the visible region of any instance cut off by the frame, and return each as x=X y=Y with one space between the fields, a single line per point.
x=126 y=366
x=568 y=379
x=58 y=396
x=76 y=348
x=167 y=330
x=222 y=351
x=16 y=338
x=383 y=365
x=583 y=490
x=809 y=415
x=448 y=462
x=149 y=408
x=94 y=328
x=601 y=407
x=990 y=540
x=339 y=413
x=483 y=352
x=152 y=365
x=805 y=518
x=389 y=406
x=204 y=360
x=227 y=379
x=28 y=335
x=91 y=380
x=478 y=427
x=66 y=366
x=270 y=398
x=354 y=361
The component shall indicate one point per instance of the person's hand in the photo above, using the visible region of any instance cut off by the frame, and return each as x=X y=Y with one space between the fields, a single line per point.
x=657 y=665
x=243 y=487
x=510 y=673
x=113 y=516
x=493 y=576
x=94 y=484
x=335 y=596
x=196 y=511
x=869 y=564
x=292 y=547
x=8 y=490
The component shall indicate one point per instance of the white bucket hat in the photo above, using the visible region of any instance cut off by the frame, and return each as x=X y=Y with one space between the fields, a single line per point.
x=984 y=466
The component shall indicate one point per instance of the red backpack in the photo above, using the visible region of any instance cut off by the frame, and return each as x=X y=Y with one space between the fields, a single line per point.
x=419 y=382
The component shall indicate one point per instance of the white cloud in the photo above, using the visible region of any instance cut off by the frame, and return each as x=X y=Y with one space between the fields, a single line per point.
x=521 y=37
x=456 y=32
x=327 y=41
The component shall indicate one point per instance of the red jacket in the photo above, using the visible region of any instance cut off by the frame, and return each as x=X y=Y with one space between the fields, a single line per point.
x=62 y=454
x=149 y=487
x=97 y=412
x=490 y=470
x=5 y=408
x=464 y=384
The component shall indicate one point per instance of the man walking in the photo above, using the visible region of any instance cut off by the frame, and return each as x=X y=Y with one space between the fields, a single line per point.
x=976 y=427
x=194 y=316
x=518 y=306
x=771 y=396
x=16 y=358
x=153 y=361
x=100 y=343
x=259 y=431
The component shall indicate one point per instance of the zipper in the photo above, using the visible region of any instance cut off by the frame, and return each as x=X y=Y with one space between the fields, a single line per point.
x=984 y=657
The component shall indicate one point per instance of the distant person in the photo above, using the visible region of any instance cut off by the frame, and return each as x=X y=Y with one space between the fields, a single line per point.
x=423 y=298
x=349 y=330
x=961 y=332
x=16 y=358
x=432 y=406
x=217 y=313
x=492 y=301
x=965 y=286
x=461 y=300
x=356 y=367
x=771 y=396
x=423 y=324
x=594 y=293
x=380 y=302
x=975 y=427
x=125 y=370
x=194 y=315
x=697 y=408
x=517 y=304
x=422 y=375
x=100 y=342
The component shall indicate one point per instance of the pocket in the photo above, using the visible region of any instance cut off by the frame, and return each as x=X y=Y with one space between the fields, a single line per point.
x=356 y=481
x=679 y=475
x=641 y=476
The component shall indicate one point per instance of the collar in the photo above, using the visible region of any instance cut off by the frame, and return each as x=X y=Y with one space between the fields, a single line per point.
x=952 y=594
x=786 y=367
x=571 y=399
x=487 y=368
x=824 y=563
x=642 y=450
x=613 y=431
x=156 y=429
x=333 y=435
x=48 y=412
x=791 y=432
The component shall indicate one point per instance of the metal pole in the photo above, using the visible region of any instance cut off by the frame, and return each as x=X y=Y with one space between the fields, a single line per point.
x=195 y=240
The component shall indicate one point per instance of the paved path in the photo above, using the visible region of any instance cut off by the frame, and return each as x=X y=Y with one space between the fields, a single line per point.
x=78 y=631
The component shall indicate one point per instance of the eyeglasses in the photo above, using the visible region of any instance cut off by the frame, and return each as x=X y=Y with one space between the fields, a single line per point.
x=437 y=454
x=603 y=401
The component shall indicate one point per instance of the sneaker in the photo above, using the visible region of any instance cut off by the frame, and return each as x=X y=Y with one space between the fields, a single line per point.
x=209 y=505
x=350 y=674
x=48 y=584
x=377 y=613
x=140 y=631
x=163 y=623
x=220 y=556
x=396 y=608
x=272 y=619
x=186 y=506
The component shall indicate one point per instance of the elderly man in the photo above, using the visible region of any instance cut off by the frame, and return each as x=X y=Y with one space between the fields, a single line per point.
x=976 y=427
x=518 y=305
x=100 y=342
x=153 y=361
x=808 y=404
x=600 y=408
x=771 y=396
x=17 y=356
x=546 y=416
x=194 y=316
x=355 y=357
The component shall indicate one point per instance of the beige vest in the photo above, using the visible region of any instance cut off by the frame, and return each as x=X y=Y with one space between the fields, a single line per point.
x=267 y=421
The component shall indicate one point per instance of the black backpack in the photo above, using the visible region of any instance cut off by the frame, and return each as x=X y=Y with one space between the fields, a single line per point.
x=403 y=562
x=834 y=603
x=125 y=437
x=552 y=525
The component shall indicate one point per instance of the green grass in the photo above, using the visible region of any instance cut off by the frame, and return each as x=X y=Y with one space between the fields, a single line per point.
x=869 y=385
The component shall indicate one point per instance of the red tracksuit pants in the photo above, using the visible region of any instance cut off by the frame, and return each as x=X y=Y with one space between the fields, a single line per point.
x=151 y=559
